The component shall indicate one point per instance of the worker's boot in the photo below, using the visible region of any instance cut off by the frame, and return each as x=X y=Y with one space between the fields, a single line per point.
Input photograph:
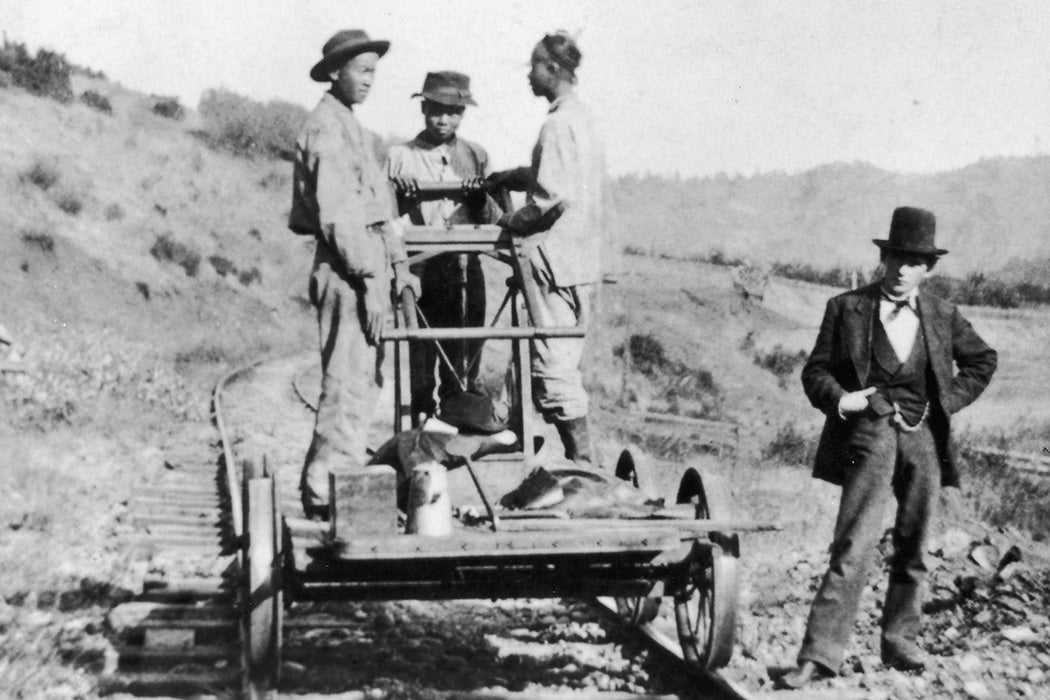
x=576 y=438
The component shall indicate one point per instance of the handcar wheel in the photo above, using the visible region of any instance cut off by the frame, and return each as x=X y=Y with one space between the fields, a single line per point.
x=709 y=493
x=706 y=601
x=638 y=610
x=634 y=467
x=263 y=609
x=705 y=608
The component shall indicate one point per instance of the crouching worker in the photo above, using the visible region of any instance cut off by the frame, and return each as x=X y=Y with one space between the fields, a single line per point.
x=891 y=364
x=341 y=197
x=561 y=222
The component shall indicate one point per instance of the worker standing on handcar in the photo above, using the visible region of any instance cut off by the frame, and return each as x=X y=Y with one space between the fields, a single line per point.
x=453 y=285
x=562 y=222
x=342 y=198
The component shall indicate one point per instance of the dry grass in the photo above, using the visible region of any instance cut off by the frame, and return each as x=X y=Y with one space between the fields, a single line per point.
x=76 y=383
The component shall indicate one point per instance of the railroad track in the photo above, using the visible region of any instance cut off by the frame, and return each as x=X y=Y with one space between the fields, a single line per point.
x=182 y=636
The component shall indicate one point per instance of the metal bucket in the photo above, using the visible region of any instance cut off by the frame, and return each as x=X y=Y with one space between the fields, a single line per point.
x=429 y=507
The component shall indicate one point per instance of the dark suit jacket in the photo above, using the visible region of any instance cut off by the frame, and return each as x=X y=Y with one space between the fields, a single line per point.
x=841 y=360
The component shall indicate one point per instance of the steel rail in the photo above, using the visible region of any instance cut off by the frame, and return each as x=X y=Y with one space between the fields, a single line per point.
x=233 y=485
x=709 y=685
x=228 y=609
x=191 y=513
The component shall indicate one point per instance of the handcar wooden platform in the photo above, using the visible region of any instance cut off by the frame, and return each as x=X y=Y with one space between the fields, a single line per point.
x=686 y=551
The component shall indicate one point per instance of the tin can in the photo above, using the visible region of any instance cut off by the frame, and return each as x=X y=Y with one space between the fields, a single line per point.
x=429 y=507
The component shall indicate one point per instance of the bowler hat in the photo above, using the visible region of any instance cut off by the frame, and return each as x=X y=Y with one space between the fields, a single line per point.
x=911 y=231
x=344 y=45
x=448 y=88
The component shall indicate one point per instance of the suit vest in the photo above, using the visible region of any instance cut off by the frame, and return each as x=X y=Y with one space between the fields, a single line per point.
x=904 y=383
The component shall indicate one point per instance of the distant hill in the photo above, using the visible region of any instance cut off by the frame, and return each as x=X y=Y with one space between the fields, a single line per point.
x=994 y=215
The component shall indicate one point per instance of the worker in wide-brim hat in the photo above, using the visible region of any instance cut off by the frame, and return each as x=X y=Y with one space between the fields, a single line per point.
x=341 y=197
x=453 y=285
x=891 y=364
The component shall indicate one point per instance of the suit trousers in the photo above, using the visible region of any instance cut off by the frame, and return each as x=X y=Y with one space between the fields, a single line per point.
x=882 y=460
x=350 y=377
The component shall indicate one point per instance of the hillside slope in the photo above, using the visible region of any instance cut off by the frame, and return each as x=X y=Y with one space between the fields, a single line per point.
x=128 y=220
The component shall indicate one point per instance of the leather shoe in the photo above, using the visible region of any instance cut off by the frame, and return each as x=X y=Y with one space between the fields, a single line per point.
x=807 y=671
x=904 y=657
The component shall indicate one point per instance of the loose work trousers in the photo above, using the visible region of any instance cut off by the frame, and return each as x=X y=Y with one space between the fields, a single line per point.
x=350 y=377
x=557 y=382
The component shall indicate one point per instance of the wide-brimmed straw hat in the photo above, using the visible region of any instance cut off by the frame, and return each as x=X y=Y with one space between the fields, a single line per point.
x=912 y=231
x=343 y=46
x=447 y=87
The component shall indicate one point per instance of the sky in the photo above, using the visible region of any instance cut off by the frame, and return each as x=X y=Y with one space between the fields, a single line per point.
x=687 y=87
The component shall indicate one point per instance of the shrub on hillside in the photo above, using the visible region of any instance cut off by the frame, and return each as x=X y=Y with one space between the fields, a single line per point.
x=646 y=353
x=97 y=102
x=719 y=257
x=46 y=74
x=841 y=277
x=41 y=240
x=222 y=266
x=976 y=290
x=42 y=174
x=790 y=446
x=714 y=256
x=686 y=390
x=201 y=354
x=169 y=108
x=780 y=361
x=69 y=202
x=247 y=277
x=114 y=212
x=250 y=128
x=167 y=249
x=1033 y=293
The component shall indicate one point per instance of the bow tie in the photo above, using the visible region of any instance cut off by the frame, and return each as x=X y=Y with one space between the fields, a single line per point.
x=898 y=304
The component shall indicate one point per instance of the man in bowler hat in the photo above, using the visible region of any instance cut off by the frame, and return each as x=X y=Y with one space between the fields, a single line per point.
x=341 y=197
x=453 y=286
x=891 y=364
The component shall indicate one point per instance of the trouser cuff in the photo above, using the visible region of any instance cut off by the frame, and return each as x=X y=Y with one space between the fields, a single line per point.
x=825 y=661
